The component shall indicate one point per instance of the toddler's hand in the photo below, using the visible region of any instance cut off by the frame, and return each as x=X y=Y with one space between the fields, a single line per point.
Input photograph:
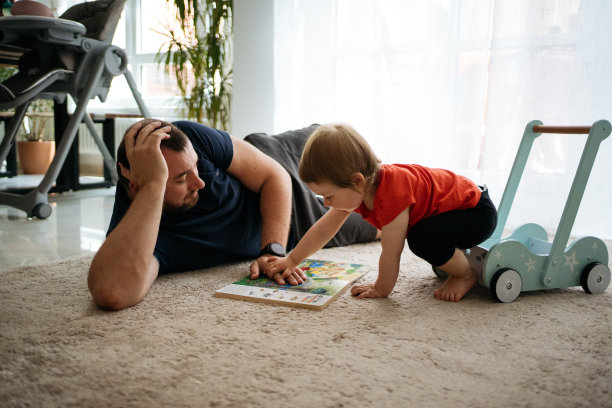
x=367 y=290
x=280 y=269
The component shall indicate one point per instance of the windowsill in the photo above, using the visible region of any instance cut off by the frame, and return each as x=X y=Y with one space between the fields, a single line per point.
x=158 y=107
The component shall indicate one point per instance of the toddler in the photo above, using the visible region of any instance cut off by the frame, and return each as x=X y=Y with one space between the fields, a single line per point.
x=438 y=212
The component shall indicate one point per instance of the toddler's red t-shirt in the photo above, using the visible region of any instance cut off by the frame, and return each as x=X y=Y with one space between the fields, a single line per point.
x=427 y=191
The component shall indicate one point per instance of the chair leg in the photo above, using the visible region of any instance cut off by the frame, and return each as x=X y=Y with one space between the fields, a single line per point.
x=109 y=162
x=35 y=202
x=132 y=84
x=70 y=131
x=11 y=131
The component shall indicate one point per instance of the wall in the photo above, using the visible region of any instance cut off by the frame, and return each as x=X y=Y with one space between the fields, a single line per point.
x=253 y=99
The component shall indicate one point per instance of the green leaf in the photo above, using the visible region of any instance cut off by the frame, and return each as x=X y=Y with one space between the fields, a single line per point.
x=202 y=61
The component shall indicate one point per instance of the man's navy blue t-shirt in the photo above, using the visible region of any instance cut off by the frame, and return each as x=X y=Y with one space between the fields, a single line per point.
x=224 y=225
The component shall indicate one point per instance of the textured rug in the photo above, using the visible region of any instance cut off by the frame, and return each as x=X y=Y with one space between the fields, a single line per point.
x=183 y=347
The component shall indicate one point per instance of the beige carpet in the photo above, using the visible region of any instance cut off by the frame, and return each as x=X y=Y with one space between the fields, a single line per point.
x=182 y=347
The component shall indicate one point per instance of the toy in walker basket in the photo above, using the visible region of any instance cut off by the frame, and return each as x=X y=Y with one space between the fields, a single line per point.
x=526 y=260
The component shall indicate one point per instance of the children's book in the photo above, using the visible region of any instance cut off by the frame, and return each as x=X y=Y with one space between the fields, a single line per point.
x=326 y=281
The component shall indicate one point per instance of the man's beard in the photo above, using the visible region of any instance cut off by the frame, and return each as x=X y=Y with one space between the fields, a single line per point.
x=170 y=208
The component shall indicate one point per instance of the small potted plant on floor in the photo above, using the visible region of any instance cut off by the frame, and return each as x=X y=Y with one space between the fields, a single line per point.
x=37 y=148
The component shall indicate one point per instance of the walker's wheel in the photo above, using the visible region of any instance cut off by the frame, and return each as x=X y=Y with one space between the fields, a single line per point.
x=595 y=278
x=42 y=211
x=439 y=272
x=506 y=285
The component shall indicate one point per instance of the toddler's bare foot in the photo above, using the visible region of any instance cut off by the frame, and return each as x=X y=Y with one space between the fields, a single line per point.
x=455 y=287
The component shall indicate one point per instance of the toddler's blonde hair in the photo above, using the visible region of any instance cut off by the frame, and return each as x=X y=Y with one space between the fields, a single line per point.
x=335 y=151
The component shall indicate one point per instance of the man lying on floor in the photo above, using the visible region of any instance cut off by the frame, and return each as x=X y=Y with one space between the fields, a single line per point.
x=191 y=197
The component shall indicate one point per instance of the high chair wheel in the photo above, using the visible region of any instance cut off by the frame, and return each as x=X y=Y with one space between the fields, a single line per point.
x=42 y=211
x=506 y=285
x=595 y=278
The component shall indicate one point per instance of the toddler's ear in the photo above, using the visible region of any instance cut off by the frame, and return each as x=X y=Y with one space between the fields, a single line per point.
x=357 y=179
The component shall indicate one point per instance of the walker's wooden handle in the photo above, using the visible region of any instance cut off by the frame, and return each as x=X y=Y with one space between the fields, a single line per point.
x=566 y=130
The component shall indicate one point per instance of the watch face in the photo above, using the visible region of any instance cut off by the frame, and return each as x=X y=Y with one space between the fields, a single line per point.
x=277 y=249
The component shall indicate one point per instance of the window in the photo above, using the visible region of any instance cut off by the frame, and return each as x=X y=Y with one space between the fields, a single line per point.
x=140 y=34
x=452 y=84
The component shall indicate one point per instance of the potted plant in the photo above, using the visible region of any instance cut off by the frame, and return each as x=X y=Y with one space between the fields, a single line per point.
x=199 y=56
x=36 y=127
x=37 y=148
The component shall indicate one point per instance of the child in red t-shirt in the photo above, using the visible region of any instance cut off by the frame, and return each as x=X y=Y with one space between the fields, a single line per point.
x=438 y=212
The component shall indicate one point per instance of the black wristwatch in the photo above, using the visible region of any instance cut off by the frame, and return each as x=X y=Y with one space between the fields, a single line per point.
x=273 y=248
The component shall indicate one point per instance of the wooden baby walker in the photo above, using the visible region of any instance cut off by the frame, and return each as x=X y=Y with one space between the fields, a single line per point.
x=526 y=260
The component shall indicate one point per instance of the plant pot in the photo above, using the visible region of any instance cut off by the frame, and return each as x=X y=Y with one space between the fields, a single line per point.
x=30 y=8
x=35 y=156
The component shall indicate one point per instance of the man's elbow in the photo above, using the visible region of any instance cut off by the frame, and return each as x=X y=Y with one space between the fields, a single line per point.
x=108 y=299
x=111 y=297
x=279 y=173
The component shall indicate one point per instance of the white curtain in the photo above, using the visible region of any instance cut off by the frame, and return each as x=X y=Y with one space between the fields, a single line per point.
x=453 y=83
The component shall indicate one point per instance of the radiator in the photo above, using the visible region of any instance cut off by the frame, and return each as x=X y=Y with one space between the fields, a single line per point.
x=87 y=146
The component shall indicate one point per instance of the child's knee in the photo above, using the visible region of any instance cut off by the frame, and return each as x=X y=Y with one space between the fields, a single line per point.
x=429 y=249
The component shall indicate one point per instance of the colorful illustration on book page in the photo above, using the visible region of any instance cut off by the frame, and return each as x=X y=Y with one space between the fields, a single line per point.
x=325 y=281
x=324 y=278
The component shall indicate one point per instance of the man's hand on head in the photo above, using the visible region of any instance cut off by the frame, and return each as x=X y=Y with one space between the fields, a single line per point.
x=147 y=164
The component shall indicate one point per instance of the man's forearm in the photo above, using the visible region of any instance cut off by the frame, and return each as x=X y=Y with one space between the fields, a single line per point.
x=275 y=204
x=124 y=268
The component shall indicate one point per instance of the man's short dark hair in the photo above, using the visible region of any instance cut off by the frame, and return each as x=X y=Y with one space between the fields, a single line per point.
x=177 y=142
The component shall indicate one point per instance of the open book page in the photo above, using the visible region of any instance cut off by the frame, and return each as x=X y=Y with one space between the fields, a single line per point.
x=326 y=280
